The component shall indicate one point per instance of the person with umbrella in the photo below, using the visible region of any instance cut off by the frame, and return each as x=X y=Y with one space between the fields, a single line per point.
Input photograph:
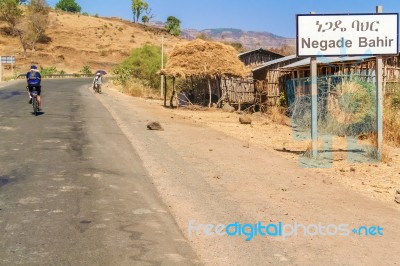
x=98 y=80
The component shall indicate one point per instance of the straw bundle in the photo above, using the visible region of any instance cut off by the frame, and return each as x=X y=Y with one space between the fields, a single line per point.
x=201 y=58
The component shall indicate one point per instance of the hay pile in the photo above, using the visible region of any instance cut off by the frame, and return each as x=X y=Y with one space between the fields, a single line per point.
x=200 y=58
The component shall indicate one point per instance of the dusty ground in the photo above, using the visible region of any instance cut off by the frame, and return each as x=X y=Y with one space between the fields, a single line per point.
x=210 y=169
x=375 y=180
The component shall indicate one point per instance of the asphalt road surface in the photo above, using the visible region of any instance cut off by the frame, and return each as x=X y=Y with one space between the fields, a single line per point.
x=73 y=191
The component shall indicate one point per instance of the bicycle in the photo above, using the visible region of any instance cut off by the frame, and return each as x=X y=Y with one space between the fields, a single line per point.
x=35 y=104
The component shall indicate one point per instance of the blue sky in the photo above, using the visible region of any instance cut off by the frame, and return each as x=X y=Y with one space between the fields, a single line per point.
x=275 y=16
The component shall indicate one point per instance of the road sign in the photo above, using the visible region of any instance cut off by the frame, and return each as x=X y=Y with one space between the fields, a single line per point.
x=7 y=59
x=351 y=34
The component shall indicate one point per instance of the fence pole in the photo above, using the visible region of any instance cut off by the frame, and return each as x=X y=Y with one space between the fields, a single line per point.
x=314 y=101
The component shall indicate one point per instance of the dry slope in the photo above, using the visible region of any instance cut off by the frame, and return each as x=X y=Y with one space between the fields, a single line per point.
x=77 y=40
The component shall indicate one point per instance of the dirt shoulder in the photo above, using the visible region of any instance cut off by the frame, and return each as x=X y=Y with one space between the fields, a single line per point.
x=209 y=169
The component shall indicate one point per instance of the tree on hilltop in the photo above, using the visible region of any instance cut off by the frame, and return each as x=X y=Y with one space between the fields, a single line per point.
x=138 y=7
x=173 y=26
x=69 y=6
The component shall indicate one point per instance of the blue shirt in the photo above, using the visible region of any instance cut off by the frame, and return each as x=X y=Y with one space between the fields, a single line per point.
x=33 y=78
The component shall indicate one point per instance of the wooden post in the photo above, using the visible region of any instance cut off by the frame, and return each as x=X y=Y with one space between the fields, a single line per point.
x=314 y=99
x=165 y=91
x=171 y=100
x=209 y=91
x=379 y=99
x=162 y=65
x=1 y=71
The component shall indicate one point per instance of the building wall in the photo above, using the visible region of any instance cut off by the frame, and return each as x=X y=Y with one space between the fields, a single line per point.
x=258 y=57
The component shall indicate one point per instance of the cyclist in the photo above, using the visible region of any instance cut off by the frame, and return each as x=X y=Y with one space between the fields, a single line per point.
x=97 y=81
x=33 y=79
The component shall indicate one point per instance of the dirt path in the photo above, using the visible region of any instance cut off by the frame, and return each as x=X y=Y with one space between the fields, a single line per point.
x=208 y=177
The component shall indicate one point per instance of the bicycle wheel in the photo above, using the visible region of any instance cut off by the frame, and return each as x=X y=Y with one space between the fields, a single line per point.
x=35 y=106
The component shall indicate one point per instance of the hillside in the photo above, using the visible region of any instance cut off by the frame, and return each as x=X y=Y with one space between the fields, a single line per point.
x=249 y=39
x=77 y=40
x=102 y=43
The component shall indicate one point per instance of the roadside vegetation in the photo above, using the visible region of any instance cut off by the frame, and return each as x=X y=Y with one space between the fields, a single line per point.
x=138 y=73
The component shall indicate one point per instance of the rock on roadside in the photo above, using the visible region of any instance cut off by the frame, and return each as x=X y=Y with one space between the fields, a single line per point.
x=397 y=199
x=245 y=120
x=397 y=196
x=228 y=108
x=154 y=126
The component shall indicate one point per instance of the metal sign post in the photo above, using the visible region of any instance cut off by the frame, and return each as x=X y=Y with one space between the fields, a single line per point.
x=162 y=66
x=6 y=60
x=379 y=99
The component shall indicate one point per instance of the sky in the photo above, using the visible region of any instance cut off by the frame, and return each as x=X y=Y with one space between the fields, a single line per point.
x=275 y=16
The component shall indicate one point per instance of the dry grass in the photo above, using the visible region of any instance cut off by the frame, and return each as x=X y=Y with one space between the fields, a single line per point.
x=391 y=121
x=276 y=115
x=351 y=104
x=136 y=89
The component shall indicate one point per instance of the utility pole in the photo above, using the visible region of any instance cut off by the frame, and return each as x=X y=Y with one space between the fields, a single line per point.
x=162 y=66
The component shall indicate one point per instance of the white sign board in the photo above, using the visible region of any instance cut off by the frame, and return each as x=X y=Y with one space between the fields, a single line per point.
x=7 y=59
x=353 y=34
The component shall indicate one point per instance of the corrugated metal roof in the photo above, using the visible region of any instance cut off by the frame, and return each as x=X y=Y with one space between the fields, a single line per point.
x=327 y=60
x=259 y=50
x=279 y=60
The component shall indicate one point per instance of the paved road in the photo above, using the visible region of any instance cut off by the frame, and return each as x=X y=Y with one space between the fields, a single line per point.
x=73 y=191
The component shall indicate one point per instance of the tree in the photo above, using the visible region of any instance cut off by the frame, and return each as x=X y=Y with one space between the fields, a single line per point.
x=145 y=19
x=173 y=26
x=149 y=16
x=138 y=7
x=69 y=6
x=35 y=25
x=10 y=13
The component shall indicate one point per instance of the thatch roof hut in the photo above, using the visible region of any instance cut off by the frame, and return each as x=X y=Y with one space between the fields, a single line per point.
x=204 y=59
x=199 y=58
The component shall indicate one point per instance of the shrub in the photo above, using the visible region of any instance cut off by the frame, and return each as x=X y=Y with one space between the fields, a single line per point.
x=48 y=71
x=352 y=109
x=391 y=118
x=86 y=70
x=142 y=64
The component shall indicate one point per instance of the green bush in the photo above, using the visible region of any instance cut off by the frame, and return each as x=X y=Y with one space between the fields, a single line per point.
x=69 y=6
x=142 y=64
x=85 y=70
x=48 y=71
